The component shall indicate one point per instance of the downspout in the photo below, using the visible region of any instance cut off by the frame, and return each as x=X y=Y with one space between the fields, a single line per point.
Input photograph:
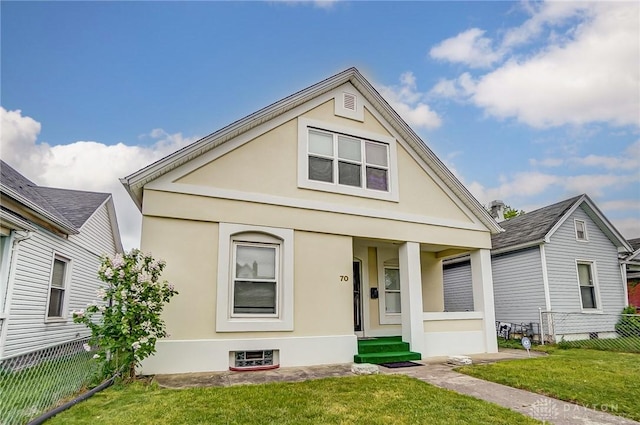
x=16 y=238
x=625 y=285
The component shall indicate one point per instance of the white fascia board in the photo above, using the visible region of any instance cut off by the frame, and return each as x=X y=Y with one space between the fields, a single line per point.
x=113 y=221
x=518 y=247
x=15 y=222
x=600 y=219
x=39 y=211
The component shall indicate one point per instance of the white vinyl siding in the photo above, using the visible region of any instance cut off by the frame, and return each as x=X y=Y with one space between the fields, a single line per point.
x=563 y=251
x=27 y=327
x=518 y=286
x=458 y=289
x=98 y=224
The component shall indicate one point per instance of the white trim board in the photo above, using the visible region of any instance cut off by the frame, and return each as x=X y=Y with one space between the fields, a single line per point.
x=260 y=198
x=207 y=355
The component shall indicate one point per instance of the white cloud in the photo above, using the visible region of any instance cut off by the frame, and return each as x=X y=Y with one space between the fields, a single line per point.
x=550 y=13
x=547 y=162
x=468 y=47
x=628 y=160
x=408 y=103
x=621 y=205
x=84 y=165
x=532 y=183
x=589 y=74
x=629 y=227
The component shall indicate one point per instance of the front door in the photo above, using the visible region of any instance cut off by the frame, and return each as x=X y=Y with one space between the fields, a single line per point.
x=357 y=299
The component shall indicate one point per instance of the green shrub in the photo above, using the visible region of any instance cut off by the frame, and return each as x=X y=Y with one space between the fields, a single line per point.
x=629 y=323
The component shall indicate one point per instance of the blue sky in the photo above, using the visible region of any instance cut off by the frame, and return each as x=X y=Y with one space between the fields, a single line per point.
x=530 y=103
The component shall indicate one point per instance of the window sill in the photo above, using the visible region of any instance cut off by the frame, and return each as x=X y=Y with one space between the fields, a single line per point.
x=591 y=311
x=254 y=325
x=53 y=320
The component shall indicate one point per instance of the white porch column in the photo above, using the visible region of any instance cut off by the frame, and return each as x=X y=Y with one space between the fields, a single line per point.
x=411 y=295
x=482 y=281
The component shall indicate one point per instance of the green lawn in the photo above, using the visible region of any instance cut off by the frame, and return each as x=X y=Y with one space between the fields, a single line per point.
x=379 y=399
x=599 y=379
x=27 y=393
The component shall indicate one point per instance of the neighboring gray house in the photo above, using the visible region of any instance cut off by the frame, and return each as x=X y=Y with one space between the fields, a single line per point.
x=50 y=247
x=561 y=258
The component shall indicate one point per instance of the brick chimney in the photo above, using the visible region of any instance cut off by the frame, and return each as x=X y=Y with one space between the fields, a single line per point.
x=496 y=209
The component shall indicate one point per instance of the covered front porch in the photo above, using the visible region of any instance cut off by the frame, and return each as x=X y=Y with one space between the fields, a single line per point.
x=399 y=291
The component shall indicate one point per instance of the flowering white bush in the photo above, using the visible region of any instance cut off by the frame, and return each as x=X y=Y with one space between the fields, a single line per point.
x=130 y=310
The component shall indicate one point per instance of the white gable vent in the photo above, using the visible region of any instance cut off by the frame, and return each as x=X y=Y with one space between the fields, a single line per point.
x=349 y=101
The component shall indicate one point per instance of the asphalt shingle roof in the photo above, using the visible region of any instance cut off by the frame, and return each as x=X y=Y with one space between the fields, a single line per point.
x=532 y=226
x=635 y=243
x=71 y=207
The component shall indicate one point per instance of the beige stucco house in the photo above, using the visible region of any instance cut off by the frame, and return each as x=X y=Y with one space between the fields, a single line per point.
x=312 y=222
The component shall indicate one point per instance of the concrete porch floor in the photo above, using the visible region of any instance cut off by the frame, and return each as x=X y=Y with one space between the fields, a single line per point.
x=436 y=372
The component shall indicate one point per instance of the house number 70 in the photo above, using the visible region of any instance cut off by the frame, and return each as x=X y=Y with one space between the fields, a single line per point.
x=344 y=278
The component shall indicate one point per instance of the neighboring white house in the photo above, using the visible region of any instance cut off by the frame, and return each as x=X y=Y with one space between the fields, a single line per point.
x=50 y=247
x=562 y=258
x=318 y=219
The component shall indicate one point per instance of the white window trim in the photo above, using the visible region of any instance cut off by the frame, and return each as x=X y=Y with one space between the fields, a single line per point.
x=225 y=320
x=596 y=288
x=303 y=164
x=584 y=226
x=65 y=297
x=255 y=241
x=386 y=318
x=5 y=252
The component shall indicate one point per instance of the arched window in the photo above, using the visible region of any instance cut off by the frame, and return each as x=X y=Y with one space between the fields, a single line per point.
x=255 y=278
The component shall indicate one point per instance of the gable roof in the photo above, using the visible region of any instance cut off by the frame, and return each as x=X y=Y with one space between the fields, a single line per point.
x=135 y=182
x=538 y=226
x=66 y=209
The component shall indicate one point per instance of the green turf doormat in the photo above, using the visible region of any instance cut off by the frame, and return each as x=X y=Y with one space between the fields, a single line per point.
x=397 y=365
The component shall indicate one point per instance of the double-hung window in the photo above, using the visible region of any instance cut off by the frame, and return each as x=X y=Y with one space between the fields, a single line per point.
x=581 y=230
x=255 y=280
x=588 y=291
x=57 y=288
x=346 y=160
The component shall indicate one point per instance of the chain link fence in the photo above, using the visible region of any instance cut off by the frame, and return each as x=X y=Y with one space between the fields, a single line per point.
x=600 y=331
x=509 y=330
x=36 y=382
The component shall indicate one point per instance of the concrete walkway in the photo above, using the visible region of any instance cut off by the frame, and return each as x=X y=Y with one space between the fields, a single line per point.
x=435 y=371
